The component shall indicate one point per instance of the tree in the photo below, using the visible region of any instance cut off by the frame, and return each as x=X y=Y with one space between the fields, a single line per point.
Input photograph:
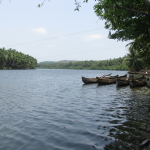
x=127 y=20
x=134 y=60
x=11 y=59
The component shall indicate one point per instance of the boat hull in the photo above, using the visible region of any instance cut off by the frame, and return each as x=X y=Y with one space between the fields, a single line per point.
x=89 y=80
x=137 y=83
x=122 y=82
x=93 y=80
x=104 y=81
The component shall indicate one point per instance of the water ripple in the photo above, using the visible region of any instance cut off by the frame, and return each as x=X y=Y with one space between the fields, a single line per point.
x=52 y=109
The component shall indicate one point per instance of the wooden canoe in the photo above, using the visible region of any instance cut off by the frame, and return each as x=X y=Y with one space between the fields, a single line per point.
x=131 y=72
x=92 y=80
x=136 y=82
x=106 y=80
x=122 y=81
x=89 y=80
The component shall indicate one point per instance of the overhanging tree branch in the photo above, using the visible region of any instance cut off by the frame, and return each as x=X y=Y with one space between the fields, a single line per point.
x=135 y=11
x=131 y=10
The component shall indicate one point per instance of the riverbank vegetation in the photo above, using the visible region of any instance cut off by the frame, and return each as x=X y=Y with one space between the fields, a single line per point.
x=133 y=61
x=111 y=64
x=12 y=59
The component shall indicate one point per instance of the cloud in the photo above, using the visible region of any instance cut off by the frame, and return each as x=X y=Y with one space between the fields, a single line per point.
x=40 y=30
x=94 y=37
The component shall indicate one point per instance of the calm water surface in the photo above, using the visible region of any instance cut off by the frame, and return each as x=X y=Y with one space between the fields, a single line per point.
x=52 y=110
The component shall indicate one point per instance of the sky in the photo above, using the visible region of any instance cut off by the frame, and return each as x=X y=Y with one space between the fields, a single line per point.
x=56 y=32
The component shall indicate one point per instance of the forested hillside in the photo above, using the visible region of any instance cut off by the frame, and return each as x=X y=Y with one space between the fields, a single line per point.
x=12 y=59
x=111 y=64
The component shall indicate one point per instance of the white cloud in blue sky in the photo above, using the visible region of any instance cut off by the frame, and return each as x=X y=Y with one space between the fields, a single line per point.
x=40 y=30
x=94 y=37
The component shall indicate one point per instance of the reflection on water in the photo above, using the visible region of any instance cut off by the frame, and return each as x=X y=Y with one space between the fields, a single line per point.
x=130 y=133
x=52 y=109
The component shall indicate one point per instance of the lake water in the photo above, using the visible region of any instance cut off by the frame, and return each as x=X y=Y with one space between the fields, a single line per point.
x=52 y=110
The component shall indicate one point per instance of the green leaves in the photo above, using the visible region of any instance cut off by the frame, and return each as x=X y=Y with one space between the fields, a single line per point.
x=129 y=20
x=111 y=64
x=11 y=59
x=39 y=5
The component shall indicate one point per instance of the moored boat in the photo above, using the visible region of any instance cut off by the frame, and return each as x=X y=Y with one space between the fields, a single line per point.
x=132 y=72
x=106 y=80
x=92 y=80
x=122 y=81
x=137 y=82
x=89 y=80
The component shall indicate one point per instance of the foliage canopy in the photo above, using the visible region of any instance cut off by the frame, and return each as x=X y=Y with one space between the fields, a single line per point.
x=127 y=20
x=12 y=59
x=111 y=64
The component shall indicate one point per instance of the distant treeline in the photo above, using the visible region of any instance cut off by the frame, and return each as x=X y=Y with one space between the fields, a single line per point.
x=111 y=64
x=11 y=59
